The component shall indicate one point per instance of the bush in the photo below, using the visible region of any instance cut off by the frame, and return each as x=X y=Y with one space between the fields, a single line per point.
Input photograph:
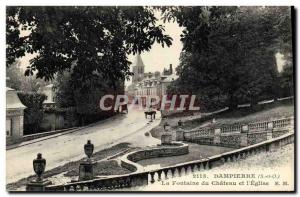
x=33 y=114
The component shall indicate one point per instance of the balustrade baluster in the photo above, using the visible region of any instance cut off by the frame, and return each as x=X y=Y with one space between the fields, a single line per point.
x=227 y=158
x=173 y=172
x=152 y=177
x=179 y=171
x=166 y=173
x=237 y=156
x=244 y=155
x=232 y=158
x=206 y=165
x=192 y=168
x=159 y=175
x=185 y=169
x=198 y=166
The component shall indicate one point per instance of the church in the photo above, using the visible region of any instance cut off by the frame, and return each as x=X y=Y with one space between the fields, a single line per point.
x=150 y=83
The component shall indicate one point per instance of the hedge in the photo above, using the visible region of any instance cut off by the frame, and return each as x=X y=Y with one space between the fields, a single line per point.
x=33 y=114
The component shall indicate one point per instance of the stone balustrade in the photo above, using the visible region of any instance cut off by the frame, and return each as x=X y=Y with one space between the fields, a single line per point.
x=143 y=178
x=240 y=135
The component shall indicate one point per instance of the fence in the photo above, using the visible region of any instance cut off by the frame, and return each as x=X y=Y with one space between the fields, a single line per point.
x=240 y=135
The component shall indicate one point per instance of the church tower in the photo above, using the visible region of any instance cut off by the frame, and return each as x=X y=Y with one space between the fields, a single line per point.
x=138 y=69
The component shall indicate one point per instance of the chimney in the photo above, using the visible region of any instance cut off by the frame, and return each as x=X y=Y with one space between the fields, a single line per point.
x=171 y=69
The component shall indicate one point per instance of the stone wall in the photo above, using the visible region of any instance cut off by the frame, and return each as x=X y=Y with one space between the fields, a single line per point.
x=55 y=121
x=254 y=138
x=16 y=118
x=129 y=160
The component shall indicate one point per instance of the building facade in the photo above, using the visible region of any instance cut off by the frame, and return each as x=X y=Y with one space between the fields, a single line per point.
x=149 y=84
x=14 y=117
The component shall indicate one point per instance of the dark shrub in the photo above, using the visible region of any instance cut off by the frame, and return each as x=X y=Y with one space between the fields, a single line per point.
x=33 y=114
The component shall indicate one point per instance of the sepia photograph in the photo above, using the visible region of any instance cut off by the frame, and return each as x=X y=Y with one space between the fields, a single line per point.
x=150 y=98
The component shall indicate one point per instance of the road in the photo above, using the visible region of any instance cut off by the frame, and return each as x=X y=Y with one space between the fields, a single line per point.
x=57 y=151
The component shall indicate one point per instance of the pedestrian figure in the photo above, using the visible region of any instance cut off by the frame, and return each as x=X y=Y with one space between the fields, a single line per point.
x=179 y=122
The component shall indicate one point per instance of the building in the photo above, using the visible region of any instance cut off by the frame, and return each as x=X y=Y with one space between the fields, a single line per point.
x=149 y=84
x=14 y=117
x=138 y=69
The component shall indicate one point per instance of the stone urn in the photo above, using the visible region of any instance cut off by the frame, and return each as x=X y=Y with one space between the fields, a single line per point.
x=89 y=149
x=39 y=165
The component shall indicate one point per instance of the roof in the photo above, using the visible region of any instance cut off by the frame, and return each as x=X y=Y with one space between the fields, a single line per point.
x=138 y=61
x=12 y=100
x=169 y=78
x=48 y=102
x=49 y=86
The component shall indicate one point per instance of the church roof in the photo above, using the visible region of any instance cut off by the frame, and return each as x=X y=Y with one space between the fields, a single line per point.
x=138 y=60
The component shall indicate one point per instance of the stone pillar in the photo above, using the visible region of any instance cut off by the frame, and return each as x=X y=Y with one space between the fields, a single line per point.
x=21 y=126
x=187 y=136
x=34 y=186
x=15 y=127
x=179 y=134
x=86 y=170
x=244 y=136
x=166 y=138
x=217 y=139
x=270 y=131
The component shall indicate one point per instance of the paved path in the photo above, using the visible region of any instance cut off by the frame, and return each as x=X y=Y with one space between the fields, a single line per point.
x=129 y=127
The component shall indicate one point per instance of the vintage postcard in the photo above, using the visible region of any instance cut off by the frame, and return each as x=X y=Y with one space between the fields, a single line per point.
x=150 y=99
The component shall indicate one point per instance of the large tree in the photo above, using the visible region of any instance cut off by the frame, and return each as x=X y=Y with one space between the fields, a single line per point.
x=229 y=52
x=15 y=79
x=98 y=39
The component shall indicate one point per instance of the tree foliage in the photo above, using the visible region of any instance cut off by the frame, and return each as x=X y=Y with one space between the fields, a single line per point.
x=86 y=105
x=33 y=114
x=18 y=81
x=98 y=39
x=228 y=53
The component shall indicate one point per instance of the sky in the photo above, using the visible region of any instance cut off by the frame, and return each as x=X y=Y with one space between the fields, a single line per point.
x=158 y=57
